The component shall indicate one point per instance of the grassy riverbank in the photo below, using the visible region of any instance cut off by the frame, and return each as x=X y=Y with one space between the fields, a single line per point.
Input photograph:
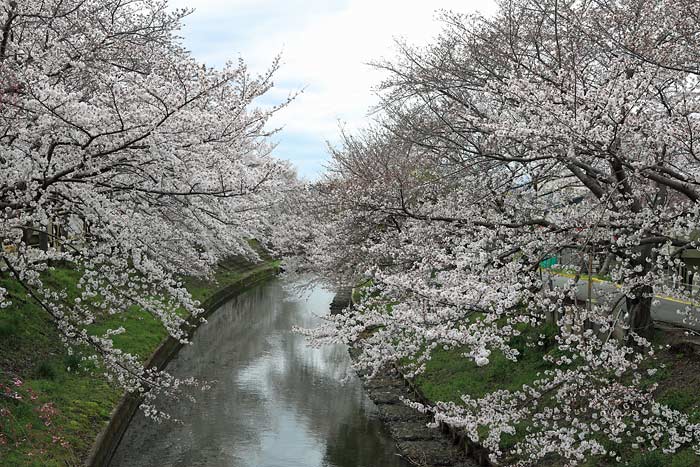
x=74 y=398
x=449 y=375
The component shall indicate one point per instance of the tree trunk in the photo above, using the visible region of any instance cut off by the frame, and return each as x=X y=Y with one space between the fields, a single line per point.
x=26 y=236
x=682 y=275
x=606 y=264
x=43 y=240
x=639 y=309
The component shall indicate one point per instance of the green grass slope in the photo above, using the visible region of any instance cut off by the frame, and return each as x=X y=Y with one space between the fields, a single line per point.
x=52 y=415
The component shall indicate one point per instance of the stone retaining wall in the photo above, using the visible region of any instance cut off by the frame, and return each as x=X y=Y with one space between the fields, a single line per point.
x=474 y=451
x=108 y=440
x=420 y=445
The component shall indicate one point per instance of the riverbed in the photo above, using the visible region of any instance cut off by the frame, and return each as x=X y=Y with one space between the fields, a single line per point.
x=273 y=402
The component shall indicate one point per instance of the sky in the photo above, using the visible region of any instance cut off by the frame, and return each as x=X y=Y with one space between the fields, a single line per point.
x=325 y=47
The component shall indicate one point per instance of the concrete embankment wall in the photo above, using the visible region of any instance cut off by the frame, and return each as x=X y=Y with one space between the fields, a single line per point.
x=108 y=440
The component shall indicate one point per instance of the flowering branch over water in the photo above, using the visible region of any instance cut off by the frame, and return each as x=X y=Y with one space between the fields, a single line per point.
x=123 y=157
x=555 y=129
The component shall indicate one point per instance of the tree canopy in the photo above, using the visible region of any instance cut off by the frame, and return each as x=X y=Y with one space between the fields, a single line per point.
x=123 y=156
x=553 y=128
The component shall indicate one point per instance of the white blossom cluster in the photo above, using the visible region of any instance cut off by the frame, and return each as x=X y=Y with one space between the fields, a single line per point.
x=564 y=129
x=135 y=163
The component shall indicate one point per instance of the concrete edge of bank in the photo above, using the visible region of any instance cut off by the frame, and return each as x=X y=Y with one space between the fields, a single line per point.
x=108 y=440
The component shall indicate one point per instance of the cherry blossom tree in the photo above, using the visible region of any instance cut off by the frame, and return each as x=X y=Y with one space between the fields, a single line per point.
x=552 y=128
x=129 y=160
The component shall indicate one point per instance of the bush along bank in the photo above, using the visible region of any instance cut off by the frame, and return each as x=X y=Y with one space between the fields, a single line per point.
x=54 y=403
x=448 y=375
x=673 y=377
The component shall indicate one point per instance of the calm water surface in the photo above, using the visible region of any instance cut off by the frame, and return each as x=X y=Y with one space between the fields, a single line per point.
x=275 y=402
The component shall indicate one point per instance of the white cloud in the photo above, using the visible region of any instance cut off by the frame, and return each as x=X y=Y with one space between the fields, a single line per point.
x=325 y=47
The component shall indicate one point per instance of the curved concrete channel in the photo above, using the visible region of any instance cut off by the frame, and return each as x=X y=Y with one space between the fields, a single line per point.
x=274 y=401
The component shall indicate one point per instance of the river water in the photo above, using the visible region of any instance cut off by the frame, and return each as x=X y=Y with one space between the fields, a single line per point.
x=274 y=402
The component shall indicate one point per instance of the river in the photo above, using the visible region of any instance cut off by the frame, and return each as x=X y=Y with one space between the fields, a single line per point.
x=274 y=401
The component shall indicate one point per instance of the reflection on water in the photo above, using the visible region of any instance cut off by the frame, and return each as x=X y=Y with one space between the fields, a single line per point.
x=275 y=402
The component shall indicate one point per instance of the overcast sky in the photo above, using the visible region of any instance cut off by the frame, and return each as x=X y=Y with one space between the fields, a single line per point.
x=325 y=45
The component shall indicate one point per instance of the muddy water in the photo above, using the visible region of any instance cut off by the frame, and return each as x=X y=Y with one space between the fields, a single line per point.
x=275 y=402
